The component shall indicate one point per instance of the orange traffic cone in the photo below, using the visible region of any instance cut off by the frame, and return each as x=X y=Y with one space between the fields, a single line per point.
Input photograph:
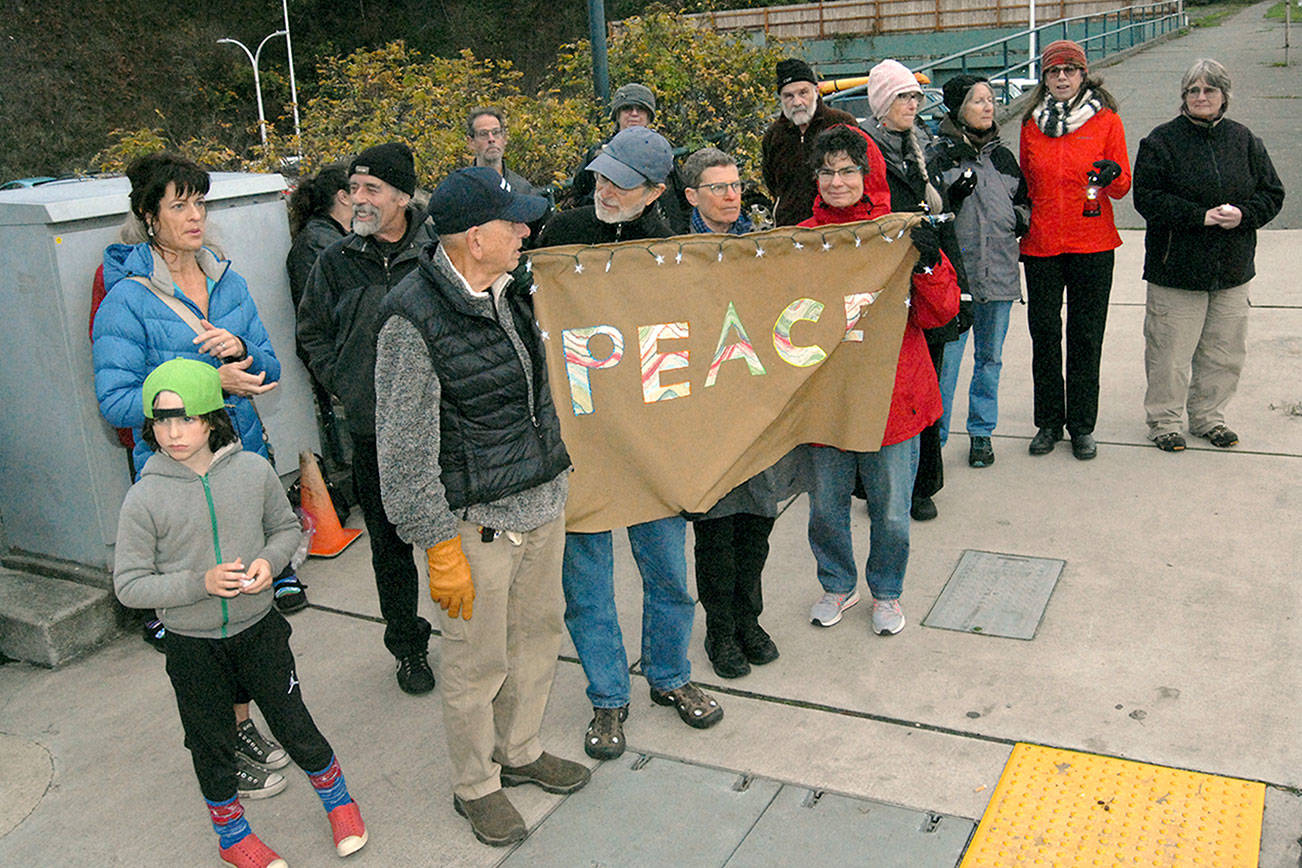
x=330 y=538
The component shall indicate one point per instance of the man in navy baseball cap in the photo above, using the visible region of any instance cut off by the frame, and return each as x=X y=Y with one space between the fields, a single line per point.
x=474 y=473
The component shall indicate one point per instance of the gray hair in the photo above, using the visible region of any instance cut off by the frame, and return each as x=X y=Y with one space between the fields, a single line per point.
x=477 y=113
x=706 y=158
x=1210 y=71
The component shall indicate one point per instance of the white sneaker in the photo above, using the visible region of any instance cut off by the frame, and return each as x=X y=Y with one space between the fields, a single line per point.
x=829 y=608
x=887 y=617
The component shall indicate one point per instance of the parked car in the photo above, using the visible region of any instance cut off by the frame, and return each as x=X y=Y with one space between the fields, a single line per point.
x=24 y=183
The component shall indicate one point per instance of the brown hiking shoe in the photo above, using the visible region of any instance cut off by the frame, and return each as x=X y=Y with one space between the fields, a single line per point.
x=553 y=774
x=493 y=818
x=696 y=708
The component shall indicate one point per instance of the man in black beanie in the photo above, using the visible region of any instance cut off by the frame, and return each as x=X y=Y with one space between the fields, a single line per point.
x=337 y=328
x=790 y=138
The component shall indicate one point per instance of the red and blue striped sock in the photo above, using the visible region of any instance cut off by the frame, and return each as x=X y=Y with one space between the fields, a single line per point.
x=228 y=821
x=330 y=786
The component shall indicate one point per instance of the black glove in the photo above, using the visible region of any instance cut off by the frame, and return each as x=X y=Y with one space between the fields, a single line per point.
x=962 y=187
x=1107 y=172
x=925 y=237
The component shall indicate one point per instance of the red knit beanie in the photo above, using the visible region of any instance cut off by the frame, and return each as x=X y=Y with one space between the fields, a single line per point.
x=1064 y=52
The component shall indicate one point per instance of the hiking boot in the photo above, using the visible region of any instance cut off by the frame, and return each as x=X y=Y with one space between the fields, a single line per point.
x=980 y=453
x=250 y=852
x=414 y=675
x=605 y=736
x=888 y=618
x=347 y=828
x=756 y=644
x=695 y=707
x=829 y=608
x=289 y=594
x=923 y=509
x=254 y=782
x=1221 y=437
x=256 y=748
x=553 y=774
x=493 y=818
x=725 y=655
x=1044 y=441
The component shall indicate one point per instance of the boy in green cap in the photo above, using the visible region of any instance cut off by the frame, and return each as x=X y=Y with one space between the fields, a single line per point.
x=199 y=538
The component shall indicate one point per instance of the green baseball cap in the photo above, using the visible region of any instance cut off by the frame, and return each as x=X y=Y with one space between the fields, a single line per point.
x=198 y=384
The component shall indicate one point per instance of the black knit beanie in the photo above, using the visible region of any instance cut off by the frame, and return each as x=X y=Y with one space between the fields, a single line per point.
x=391 y=162
x=956 y=89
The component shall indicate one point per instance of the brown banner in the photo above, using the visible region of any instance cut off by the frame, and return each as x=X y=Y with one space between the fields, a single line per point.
x=682 y=367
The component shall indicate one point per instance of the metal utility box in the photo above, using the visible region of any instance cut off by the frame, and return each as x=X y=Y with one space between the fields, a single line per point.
x=63 y=473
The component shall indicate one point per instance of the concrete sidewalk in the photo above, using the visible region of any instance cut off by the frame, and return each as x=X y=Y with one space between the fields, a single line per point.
x=1173 y=637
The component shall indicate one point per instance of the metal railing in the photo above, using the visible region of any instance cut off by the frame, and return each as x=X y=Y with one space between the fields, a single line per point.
x=1114 y=31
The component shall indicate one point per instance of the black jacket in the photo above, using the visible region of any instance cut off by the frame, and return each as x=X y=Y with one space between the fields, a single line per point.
x=581 y=226
x=498 y=431
x=337 y=323
x=317 y=234
x=786 y=162
x=1183 y=169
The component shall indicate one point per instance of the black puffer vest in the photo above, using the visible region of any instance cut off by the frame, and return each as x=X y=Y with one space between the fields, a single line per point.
x=496 y=438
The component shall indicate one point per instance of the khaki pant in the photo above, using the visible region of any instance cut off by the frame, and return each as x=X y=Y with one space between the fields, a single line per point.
x=495 y=670
x=1202 y=332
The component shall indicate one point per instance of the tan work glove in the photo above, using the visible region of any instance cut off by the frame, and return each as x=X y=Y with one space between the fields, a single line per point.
x=450 y=584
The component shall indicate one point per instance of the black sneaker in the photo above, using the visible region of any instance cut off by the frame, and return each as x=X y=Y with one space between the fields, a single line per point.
x=257 y=748
x=923 y=509
x=153 y=633
x=290 y=594
x=255 y=782
x=414 y=675
x=757 y=645
x=726 y=655
x=605 y=736
x=980 y=453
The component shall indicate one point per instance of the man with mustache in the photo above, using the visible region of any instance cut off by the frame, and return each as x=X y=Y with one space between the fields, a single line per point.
x=337 y=323
x=790 y=138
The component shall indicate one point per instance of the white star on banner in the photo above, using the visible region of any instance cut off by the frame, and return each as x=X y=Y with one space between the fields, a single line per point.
x=799 y=246
x=544 y=334
x=827 y=245
x=926 y=269
x=857 y=241
x=759 y=251
x=533 y=288
x=528 y=265
x=679 y=258
x=578 y=267
x=660 y=260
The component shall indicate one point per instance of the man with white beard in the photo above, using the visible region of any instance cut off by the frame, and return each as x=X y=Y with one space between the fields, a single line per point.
x=790 y=138
x=630 y=175
x=337 y=328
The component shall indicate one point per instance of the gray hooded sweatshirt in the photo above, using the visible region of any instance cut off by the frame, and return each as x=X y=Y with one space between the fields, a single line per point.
x=176 y=525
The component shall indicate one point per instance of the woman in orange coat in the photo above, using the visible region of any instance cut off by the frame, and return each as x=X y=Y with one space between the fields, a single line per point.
x=1073 y=155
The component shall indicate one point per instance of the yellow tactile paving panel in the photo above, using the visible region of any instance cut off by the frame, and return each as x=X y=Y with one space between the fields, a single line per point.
x=1063 y=808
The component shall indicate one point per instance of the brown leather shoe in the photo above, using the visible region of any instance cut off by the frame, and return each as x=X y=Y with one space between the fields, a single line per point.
x=493 y=818
x=553 y=774
x=696 y=708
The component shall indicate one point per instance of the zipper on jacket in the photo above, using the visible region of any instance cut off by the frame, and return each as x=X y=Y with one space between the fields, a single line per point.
x=216 y=545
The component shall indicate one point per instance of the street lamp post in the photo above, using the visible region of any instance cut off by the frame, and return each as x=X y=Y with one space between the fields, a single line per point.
x=254 y=57
x=293 y=88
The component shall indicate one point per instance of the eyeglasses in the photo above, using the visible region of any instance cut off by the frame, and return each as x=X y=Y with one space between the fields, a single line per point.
x=721 y=189
x=915 y=95
x=845 y=174
x=1066 y=71
x=495 y=133
x=1201 y=91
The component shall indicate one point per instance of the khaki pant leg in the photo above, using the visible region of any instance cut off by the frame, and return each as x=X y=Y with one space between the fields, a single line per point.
x=534 y=629
x=1173 y=321
x=1218 y=361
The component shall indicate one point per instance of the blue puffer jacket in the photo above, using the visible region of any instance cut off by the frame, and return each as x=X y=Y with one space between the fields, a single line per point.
x=136 y=332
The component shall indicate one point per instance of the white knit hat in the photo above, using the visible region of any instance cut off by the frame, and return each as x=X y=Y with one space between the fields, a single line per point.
x=886 y=81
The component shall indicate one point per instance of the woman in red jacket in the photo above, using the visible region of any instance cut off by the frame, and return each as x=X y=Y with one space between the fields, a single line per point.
x=1073 y=155
x=851 y=177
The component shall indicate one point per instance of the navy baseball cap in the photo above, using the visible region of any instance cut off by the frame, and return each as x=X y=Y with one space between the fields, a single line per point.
x=635 y=157
x=477 y=195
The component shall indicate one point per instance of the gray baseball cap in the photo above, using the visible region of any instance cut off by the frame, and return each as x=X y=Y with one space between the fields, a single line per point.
x=634 y=157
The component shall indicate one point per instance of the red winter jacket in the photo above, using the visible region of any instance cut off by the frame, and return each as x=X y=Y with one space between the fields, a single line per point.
x=915 y=400
x=1055 y=172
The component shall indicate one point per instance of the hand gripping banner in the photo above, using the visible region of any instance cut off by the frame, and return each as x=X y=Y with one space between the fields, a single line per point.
x=681 y=367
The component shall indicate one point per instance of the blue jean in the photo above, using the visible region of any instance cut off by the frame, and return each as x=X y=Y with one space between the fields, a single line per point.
x=888 y=479
x=989 y=326
x=588 y=578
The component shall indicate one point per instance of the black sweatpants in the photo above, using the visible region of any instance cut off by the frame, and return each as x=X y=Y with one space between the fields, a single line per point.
x=930 y=478
x=730 y=555
x=396 y=579
x=1087 y=279
x=207 y=675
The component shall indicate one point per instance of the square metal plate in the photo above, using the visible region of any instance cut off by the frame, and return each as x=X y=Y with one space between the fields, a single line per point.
x=996 y=594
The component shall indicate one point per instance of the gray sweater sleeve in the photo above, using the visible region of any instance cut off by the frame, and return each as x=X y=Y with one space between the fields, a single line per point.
x=136 y=579
x=407 y=436
x=280 y=526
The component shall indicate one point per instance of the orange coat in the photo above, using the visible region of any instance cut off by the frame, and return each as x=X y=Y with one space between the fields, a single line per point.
x=1056 y=170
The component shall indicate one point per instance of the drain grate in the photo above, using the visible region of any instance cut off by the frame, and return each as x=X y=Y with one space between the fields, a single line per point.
x=996 y=594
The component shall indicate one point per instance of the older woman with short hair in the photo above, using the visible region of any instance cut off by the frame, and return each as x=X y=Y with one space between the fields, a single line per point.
x=1204 y=184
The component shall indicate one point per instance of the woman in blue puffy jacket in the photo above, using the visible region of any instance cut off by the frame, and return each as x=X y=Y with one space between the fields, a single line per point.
x=172 y=297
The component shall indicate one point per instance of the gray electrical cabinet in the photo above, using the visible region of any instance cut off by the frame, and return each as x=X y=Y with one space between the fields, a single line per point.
x=63 y=473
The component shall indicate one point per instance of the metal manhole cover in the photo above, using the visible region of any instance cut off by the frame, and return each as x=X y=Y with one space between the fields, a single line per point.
x=996 y=594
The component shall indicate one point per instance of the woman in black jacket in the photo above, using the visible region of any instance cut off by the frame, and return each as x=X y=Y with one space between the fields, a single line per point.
x=1204 y=184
